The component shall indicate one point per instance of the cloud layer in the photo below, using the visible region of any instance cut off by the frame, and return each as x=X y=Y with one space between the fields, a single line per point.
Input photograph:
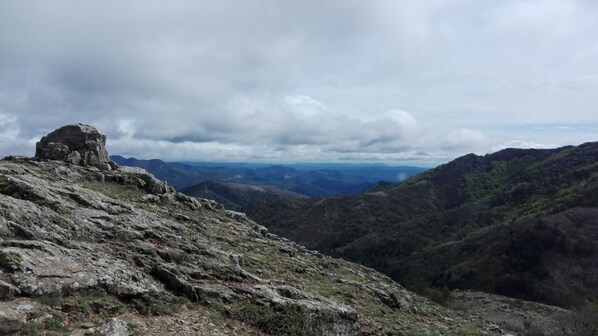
x=420 y=81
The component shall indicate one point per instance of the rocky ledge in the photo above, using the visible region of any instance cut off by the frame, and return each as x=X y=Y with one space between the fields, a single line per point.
x=87 y=250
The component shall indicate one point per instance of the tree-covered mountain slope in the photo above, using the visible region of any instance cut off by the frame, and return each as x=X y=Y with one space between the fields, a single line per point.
x=519 y=222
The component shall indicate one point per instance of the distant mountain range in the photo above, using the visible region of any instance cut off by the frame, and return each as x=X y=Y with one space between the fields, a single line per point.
x=235 y=196
x=519 y=222
x=311 y=180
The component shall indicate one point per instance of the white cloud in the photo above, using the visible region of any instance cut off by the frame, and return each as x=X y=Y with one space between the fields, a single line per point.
x=463 y=139
x=126 y=127
x=521 y=144
x=383 y=80
x=9 y=129
x=10 y=143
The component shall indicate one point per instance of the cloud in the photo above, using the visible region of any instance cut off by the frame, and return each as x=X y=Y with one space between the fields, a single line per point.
x=463 y=138
x=521 y=144
x=10 y=142
x=9 y=128
x=290 y=80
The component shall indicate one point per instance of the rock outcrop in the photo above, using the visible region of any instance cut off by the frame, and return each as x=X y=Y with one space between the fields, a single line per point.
x=78 y=245
x=77 y=144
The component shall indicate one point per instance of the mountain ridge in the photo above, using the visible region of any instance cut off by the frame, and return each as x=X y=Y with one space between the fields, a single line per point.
x=452 y=209
x=322 y=181
x=235 y=196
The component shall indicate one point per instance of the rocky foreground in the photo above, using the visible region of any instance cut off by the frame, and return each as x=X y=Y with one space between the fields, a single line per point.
x=89 y=248
x=78 y=245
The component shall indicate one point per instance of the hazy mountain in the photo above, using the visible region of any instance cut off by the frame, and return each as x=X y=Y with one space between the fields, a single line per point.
x=311 y=180
x=235 y=196
x=518 y=222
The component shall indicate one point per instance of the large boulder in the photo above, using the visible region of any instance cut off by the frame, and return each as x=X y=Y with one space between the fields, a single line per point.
x=77 y=144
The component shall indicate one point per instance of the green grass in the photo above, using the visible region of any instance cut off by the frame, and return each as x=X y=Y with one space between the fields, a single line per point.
x=126 y=192
x=160 y=304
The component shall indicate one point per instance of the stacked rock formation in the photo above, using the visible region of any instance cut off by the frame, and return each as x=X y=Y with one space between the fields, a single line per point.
x=78 y=144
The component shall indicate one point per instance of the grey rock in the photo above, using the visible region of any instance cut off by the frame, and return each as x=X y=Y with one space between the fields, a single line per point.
x=42 y=268
x=14 y=315
x=4 y=228
x=237 y=260
x=217 y=291
x=149 y=198
x=238 y=216
x=55 y=151
x=7 y=290
x=321 y=316
x=91 y=159
x=87 y=325
x=74 y=157
x=261 y=229
x=77 y=144
x=113 y=327
x=141 y=183
x=113 y=165
x=104 y=166
x=142 y=179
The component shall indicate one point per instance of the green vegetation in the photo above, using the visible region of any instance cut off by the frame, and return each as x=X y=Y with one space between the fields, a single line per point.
x=280 y=320
x=159 y=305
x=55 y=324
x=480 y=222
x=95 y=308
x=583 y=321
x=114 y=190
x=72 y=310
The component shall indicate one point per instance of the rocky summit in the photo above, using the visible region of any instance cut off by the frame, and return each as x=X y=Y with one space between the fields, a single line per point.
x=92 y=251
x=77 y=144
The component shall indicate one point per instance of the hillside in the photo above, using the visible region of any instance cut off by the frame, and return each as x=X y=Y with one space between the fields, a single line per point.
x=310 y=180
x=87 y=247
x=522 y=223
x=235 y=196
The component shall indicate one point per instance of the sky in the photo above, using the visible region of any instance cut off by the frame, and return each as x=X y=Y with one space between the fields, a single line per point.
x=401 y=82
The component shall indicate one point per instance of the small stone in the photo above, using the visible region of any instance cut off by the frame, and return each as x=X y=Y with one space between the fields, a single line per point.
x=87 y=325
x=149 y=198
x=141 y=183
x=113 y=327
x=104 y=166
x=261 y=229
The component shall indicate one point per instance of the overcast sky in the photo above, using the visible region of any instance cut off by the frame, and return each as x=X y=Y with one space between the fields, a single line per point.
x=322 y=80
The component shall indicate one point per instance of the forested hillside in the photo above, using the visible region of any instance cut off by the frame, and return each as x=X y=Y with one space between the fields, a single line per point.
x=518 y=222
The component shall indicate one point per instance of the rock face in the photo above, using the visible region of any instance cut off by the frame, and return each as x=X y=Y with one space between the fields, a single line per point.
x=78 y=144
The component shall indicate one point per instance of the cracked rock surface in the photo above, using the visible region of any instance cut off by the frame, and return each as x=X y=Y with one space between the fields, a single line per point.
x=81 y=244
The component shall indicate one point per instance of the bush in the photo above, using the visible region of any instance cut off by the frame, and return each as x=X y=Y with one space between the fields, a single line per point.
x=280 y=320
